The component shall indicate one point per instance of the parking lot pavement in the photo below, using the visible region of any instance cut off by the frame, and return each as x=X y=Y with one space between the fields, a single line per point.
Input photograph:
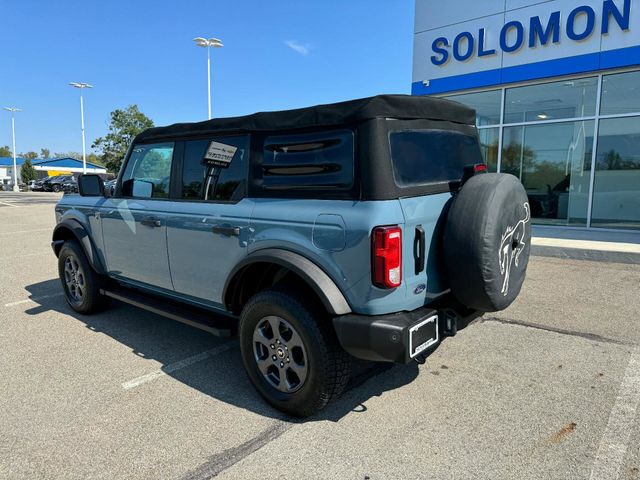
x=546 y=389
x=21 y=199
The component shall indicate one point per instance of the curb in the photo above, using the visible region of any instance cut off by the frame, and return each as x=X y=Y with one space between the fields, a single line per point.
x=585 y=254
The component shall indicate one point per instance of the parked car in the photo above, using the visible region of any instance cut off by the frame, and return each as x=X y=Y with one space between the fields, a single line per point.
x=365 y=229
x=38 y=185
x=55 y=184
x=70 y=185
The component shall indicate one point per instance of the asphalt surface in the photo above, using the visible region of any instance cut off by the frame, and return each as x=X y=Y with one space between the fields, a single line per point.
x=547 y=389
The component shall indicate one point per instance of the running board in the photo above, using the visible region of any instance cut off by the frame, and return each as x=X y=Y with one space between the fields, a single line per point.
x=199 y=318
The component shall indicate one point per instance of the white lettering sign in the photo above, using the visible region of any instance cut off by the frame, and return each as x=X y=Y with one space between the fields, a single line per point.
x=219 y=154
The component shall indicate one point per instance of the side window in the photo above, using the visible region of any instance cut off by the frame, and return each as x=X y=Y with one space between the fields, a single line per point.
x=148 y=171
x=215 y=169
x=314 y=161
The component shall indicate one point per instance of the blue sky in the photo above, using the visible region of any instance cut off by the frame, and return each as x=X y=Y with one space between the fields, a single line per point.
x=277 y=54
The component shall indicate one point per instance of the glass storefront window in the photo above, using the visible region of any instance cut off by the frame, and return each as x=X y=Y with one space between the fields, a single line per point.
x=553 y=161
x=620 y=93
x=548 y=139
x=489 y=138
x=551 y=101
x=616 y=194
x=486 y=104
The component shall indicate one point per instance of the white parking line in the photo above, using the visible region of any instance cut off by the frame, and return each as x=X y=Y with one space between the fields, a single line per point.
x=32 y=299
x=172 y=367
x=9 y=204
x=613 y=445
x=28 y=231
x=27 y=255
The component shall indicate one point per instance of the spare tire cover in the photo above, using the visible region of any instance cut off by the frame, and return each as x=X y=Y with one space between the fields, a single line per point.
x=487 y=239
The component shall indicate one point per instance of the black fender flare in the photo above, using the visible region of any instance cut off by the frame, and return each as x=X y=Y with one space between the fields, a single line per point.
x=82 y=236
x=324 y=287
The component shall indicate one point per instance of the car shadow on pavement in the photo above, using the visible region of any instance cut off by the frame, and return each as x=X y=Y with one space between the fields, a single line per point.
x=221 y=375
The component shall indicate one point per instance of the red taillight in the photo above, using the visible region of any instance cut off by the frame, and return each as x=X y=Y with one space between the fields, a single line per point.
x=480 y=168
x=387 y=257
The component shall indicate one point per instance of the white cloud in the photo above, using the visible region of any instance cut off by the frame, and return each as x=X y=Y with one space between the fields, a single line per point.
x=301 y=48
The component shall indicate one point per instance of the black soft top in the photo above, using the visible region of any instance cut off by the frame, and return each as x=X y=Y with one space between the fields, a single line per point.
x=352 y=112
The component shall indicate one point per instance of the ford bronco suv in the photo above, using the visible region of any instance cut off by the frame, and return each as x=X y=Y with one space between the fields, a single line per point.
x=368 y=228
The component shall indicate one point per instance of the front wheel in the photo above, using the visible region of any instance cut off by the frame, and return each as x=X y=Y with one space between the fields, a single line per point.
x=81 y=284
x=291 y=353
x=56 y=188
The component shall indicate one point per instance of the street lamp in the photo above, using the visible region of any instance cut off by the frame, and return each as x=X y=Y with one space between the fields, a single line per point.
x=82 y=86
x=13 y=111
x=208 y=43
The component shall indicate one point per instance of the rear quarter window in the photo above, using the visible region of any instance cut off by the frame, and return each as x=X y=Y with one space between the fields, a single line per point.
x=422 y=157
x=323 y=160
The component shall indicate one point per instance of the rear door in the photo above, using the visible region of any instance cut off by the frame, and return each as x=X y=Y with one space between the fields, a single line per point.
x=134 y=222
x=208 y=229
x=434 y=159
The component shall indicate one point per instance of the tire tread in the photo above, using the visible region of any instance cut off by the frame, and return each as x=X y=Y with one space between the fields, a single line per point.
x=336 y=367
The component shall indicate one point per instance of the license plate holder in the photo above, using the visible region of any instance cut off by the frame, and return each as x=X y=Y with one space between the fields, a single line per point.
x=423 y=335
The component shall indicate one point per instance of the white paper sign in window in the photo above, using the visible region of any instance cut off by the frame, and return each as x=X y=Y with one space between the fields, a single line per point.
x=219 y=155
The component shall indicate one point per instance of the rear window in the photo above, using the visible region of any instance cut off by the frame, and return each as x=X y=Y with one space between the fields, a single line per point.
x=423 y=157
x=217 y=182
x=321 y=160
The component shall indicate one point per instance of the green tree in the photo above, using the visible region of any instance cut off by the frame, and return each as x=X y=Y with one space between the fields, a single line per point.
x=5 y=151
x=70 y=154
x=125 y=125
x=515 y=154
x=45 y=152
x=614 y=161
x=95 y=159
x=29 y=155
x=27 y=172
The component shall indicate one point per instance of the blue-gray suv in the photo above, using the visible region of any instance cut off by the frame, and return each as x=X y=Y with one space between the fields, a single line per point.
x=369 y=228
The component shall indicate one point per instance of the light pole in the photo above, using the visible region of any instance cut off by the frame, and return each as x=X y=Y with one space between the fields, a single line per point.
x=82 y=86
x=13 y=111
x=208 y=43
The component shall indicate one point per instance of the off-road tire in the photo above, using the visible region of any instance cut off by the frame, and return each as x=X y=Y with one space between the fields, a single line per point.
x=92 y=301
x=329 y=365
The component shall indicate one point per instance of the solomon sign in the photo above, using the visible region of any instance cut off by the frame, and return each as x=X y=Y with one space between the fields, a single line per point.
x=469 y=44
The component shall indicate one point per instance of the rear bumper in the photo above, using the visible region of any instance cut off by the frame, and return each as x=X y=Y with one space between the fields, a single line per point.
x=386 y=338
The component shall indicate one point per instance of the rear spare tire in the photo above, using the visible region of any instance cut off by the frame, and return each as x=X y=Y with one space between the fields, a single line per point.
x=487 y=240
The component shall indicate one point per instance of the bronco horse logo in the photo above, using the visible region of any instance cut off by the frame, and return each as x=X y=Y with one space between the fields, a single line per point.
x=511 y=246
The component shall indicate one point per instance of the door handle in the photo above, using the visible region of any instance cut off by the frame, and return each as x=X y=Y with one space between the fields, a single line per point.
x=152 y=222
x=419 y=249
x=226 y=230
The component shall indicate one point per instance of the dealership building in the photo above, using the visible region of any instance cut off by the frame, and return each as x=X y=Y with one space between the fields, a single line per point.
x=45 y=167
x=556 y=87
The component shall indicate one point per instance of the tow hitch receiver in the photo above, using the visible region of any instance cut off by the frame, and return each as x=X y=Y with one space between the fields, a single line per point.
x=449 y=322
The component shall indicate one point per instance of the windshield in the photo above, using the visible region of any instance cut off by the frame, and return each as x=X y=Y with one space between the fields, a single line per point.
x=423 y=157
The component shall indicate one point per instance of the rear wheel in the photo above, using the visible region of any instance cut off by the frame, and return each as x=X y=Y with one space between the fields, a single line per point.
x=56 y=188
x=291 y=353
x=81 y=284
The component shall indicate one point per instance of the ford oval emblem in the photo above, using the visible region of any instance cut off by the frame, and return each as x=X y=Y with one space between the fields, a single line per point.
x=420 y=288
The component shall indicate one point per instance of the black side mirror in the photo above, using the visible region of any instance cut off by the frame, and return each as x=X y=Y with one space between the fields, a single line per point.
x=90 y=185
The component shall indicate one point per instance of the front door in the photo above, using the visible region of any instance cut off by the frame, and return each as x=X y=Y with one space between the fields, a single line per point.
x=134 y=221
x=208 y=230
